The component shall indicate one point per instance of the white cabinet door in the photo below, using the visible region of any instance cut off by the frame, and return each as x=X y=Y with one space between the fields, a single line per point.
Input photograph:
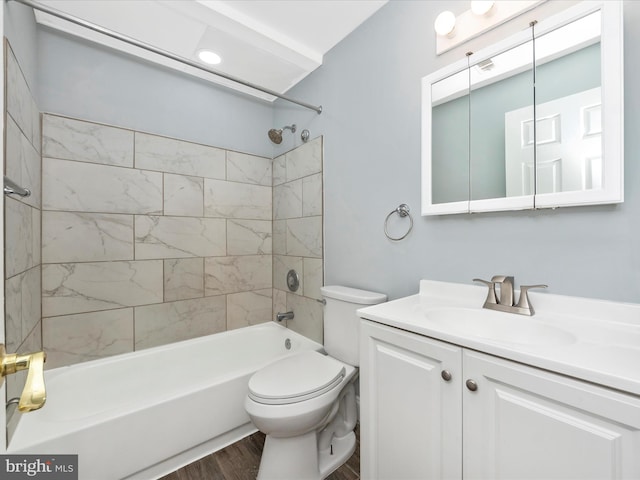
x=410 y=428
x=525 y=423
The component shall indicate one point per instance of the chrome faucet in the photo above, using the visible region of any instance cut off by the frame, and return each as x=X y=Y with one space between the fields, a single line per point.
x=506 y=301
x=284 y=316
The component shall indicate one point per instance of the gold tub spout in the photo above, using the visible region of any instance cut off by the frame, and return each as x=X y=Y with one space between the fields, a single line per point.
x=34 y=393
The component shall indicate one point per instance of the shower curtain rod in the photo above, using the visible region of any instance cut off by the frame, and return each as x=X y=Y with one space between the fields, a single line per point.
x=158 y=51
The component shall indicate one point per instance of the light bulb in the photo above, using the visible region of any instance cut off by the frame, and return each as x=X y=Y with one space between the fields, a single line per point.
x=445 y=23
x=481 y=7
x=207 y=56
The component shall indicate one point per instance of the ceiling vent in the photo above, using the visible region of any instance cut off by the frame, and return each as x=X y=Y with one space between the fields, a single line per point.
x=485 y=65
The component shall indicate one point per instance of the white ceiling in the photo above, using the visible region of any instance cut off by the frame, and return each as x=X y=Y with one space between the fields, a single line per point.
x=271 y=43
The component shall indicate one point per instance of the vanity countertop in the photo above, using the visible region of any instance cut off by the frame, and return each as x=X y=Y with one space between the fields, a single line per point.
x=593 y=340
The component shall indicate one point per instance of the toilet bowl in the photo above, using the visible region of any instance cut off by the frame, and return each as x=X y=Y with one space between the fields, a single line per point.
x=306 y=403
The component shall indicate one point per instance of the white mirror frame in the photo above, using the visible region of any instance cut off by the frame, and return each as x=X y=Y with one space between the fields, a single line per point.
x=612 y=77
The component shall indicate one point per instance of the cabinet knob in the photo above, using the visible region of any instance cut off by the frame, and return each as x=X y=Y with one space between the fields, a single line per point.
x=472 y=385
x=446 y=375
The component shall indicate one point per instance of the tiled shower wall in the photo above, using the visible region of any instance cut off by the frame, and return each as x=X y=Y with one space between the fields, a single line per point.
x=149 y=240
x=22 y=220
x=298 y=235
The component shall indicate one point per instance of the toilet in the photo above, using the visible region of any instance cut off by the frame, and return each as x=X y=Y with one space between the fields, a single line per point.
x=306 y=403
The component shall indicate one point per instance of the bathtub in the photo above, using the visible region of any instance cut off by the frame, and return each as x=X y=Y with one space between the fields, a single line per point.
x=144 y=414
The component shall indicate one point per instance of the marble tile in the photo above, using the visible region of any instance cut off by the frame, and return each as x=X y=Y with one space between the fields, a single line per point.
x=183 y=279
x=183 y=195
x=79 y=338
x=279 y=237
x=175 y=321
x=236 y=200
x=313 y=277
x=248 y=237
x=279 y=170
x=86 y=237
x=85 y=287
x=23 y=164
x=245 y=168
x=312 y=195
x=179 y=237
x=281 y=266
x=308 y=317
x=31 y=290
x=279 y=302
x=19 y=237
x=36 y=239
x=304 y=160
x=248 y=308
x=19 y=98
x=304 y=237
x=33 y=340
x=87 y=187
x=69 y=139
x=13 y=312
x=287 y=200
x=175 y=156
x=236 y=274
x=36 y=122
x=13 y=149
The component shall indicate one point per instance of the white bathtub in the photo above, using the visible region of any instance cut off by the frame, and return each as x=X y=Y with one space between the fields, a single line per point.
x=144 y=414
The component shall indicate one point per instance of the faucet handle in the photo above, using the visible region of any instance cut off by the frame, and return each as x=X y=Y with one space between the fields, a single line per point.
x=523 y=302
x=506 y=289
x=491 y=295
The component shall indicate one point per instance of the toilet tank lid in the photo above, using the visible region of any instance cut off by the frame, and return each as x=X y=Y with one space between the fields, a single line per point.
x=353 y=295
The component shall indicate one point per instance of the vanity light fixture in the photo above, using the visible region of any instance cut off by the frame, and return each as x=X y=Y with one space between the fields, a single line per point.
x=445 y=24
x=481 y=7
x=454 y=30
x=209 y=57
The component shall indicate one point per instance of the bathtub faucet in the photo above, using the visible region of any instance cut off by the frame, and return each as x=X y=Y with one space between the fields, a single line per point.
x=34 y=394
x=284 y=316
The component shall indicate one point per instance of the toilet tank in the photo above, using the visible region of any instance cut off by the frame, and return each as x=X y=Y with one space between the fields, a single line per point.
x=341 y=322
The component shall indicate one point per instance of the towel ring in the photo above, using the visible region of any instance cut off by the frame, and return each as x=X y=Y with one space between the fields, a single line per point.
x=403 y=211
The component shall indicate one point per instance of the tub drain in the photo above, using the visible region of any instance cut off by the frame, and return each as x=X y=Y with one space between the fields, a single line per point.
x=287 y=344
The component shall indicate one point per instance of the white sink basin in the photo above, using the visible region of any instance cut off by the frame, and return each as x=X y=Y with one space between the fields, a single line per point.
x=498 y=326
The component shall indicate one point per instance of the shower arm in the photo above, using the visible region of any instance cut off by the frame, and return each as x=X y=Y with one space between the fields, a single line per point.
x=158 y=51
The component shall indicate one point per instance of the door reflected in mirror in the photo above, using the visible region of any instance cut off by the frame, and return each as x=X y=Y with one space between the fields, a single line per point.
x=569 y=112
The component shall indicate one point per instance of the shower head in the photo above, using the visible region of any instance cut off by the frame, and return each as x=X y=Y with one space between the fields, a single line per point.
x=275 y=134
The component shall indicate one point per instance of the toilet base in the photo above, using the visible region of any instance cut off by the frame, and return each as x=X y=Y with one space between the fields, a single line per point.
x=297 y=458
x=342 y=449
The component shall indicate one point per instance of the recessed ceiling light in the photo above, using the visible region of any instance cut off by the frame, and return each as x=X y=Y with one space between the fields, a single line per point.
x=207 y=56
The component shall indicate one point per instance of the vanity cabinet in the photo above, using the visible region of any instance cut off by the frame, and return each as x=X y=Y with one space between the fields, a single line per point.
x=493 y=418
x=410 y=427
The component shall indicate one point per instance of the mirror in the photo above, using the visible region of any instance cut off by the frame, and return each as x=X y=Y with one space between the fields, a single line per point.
x=450 y=138
x=499 y=84
x=520 y=147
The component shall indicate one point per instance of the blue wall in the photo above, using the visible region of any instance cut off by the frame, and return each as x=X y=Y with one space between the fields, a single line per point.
x=369 y=87
x=81 y=79
x=20 y=29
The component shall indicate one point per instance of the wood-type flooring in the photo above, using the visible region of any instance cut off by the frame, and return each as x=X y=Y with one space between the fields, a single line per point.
x=240 y=461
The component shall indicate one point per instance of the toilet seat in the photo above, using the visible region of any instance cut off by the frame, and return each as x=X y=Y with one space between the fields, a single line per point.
x=296 y=378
